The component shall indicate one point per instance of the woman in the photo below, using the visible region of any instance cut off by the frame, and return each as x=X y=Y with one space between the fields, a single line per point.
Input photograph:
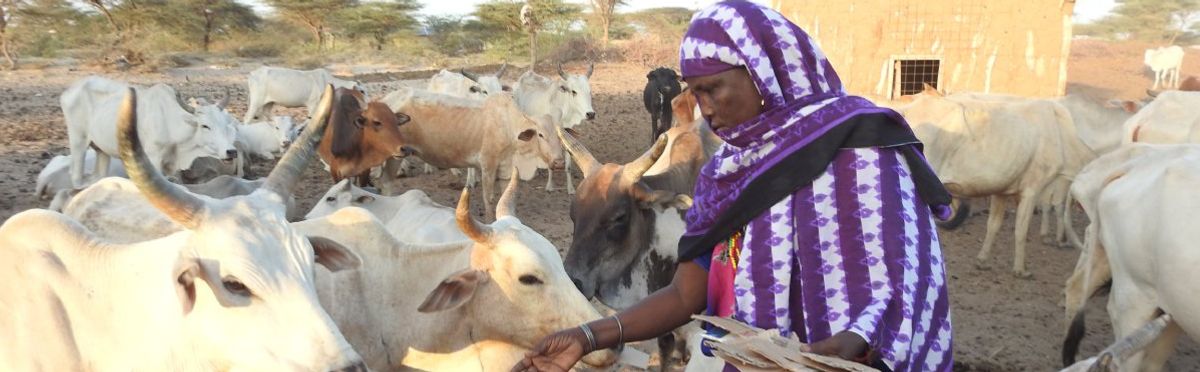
x=815 y=217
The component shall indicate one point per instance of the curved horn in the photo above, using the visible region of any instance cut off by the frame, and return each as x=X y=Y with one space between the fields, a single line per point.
x=171 y=199
x=502 y=69
x=506 y=206
x=634 y=170
x=292 y=164
x=478 y=232
x=1151 y=93
x=591 y=66
x=583 y=157
x=469 y=75
x=183 y=104
x=561 y=73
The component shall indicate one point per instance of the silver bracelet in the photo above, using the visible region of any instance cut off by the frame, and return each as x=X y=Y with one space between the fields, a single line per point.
x=620 y=330
x=587 y=332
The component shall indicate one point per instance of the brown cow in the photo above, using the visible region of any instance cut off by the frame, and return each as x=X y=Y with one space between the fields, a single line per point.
x=687 y=116
x=456 y=132
x=359 y=139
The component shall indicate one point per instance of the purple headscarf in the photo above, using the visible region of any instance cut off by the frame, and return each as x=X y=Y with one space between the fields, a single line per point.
x=803 y=98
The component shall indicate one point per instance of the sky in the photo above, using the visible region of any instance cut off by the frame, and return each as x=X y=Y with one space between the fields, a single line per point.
x=1085 y=10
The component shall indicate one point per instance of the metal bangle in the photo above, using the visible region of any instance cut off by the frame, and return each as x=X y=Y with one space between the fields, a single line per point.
x=620 y=330
x=587 y=332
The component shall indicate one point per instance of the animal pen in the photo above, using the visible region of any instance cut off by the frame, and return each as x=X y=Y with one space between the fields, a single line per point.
x=890 y=48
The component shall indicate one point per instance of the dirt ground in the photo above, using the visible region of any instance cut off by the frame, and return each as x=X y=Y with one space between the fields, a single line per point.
x=1001 y=323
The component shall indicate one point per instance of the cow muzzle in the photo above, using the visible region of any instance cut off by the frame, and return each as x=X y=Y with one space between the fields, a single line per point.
x=558 y=165
x=591 y=115
x=230 y=155
x=404 y=151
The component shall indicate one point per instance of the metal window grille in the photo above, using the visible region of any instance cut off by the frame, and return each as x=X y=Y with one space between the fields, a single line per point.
x=915 y=73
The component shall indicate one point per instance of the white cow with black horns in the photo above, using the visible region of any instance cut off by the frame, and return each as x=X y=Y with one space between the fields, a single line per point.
x=270 y=86
x=567 y=100
x=233 y=290
x=181 y=133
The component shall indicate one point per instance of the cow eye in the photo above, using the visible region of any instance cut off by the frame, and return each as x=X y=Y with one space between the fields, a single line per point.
x=236 y=287
x=506 y=88
x=331 y=199
x=530 y=280
x=205 y=126
x=564 y=89
x=573 y=93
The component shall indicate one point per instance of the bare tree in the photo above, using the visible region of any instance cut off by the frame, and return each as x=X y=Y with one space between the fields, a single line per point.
x=530 y=22
x=604 y=10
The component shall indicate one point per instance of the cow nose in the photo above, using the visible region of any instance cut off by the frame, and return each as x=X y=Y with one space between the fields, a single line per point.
x=230 y=154
x=591 y=115
x=558 y=165
x=285 y=144
x=356 y=367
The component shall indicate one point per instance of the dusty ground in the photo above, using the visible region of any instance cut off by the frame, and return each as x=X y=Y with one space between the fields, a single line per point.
x=1001 y=323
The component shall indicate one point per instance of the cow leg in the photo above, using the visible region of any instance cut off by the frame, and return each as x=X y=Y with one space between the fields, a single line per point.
x=79 y=146
x=101 y=167
x=428 y=168
x=666 y=346
x=550 y=179
x=995 y=221
x=387 y=177
x=567 y=170
x=1025 y=207
x=488 y=171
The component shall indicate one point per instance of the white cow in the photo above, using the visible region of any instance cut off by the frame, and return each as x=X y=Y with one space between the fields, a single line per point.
x=502 y=282
x=1171 y=118
x=233 y=290
x=412 y=216
x=466 y=84
x=181 y=133
x=270 y=86
x=1165 y=62
x=1142 y=237
x=56 y=176
x=993 y=147
x=452 y=132
x=566 y=99
x=255 y=141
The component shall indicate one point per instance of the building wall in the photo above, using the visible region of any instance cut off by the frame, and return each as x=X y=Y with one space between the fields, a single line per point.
x=1012 y=47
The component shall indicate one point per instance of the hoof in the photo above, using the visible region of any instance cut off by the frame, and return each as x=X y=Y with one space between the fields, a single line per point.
x=1022 y=274
x=982 y=265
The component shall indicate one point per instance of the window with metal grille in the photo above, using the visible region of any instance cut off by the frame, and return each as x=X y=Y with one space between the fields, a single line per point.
x=913 y=74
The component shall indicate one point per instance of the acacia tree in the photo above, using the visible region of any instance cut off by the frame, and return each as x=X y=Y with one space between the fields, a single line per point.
x=378 y=20
x=199 y=20
x=312 y=14
x=1149 y=20
x=604 y=10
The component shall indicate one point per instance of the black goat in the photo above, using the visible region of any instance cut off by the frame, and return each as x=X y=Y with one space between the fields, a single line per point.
x=662 y=86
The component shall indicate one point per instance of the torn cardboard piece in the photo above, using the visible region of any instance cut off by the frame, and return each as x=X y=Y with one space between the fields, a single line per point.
x=751 y=349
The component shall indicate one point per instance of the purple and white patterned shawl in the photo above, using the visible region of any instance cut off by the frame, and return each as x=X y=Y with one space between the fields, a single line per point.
x=803 y=97
x=829 y=257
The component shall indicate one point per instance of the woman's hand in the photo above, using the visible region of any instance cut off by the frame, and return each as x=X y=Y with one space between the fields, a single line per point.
x=846 y=345
x=557 y=352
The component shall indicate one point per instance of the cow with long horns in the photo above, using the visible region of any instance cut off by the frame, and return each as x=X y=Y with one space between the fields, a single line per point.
x=219 y=294
x=567 y=100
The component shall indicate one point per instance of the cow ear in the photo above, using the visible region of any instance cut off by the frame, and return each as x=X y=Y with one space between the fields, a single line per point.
x=402 y=118
x=359 y=122
x=659 y=199
x=333 y=255
x=454 y=291
x=185 y=285
x=527 y=135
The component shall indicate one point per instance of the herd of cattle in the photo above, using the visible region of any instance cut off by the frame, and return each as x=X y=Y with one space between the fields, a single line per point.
x=106 y=279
